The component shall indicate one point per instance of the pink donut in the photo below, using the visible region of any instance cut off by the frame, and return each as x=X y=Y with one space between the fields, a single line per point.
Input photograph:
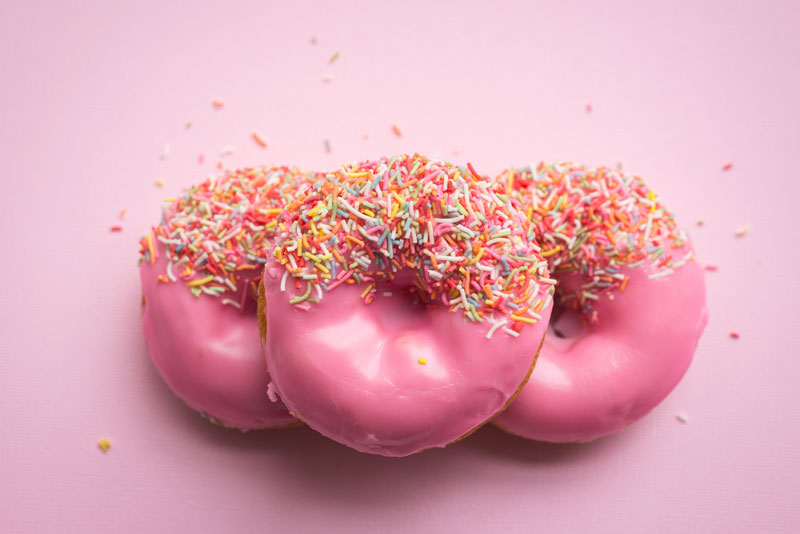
x=200 y=269
x=405 y=304
x=630 y=303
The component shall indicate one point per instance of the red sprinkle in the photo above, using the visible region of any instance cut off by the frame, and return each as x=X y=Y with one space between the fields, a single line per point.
x=200 y=158
x=116 y=228
x=710 y=267
x=588 y=108
x=728 y=166
x=397 y=131
x=218 y=104
x=735 y=335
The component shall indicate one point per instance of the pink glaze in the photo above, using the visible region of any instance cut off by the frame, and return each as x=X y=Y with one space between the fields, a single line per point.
x=352 y=371
x=208 y=353
x=613 y=373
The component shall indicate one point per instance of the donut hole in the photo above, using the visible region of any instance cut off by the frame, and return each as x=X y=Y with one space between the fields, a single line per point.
x=565 y=322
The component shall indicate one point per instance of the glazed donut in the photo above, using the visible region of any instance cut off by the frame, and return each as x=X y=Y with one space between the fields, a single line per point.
x=404 y=304
x=630 y=302
x=199 y=271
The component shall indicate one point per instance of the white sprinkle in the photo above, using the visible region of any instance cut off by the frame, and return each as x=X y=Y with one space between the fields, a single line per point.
x=743 y=231
x=510 y=332
x=328 y=78
x=165 y=150
x=682 y=417
x=230 y=302
x=227 y=151
x=283 y=280
x=494 y=327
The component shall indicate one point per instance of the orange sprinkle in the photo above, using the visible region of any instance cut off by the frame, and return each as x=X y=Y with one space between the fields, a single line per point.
x=397 y=131
x=218 y=104
x=354 y=240
x=624 y=283
x=257 y=138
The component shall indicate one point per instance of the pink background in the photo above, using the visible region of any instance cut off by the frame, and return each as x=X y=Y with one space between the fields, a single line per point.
x=90 y=94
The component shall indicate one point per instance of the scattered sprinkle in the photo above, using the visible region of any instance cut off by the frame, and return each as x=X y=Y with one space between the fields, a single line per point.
x=700 y=223
x=588 y=108
x=422 y=361
x=104 y=444
x=116 y=228
x=188 y=125
x=159 y=183
x=327 y=145
x=734 y=335
x=259 y=141
x=711 y=267
x=396 y=130
x=743 y=231
x=682 y=417
x=123 y=212
x=328 y=78
x=218 y=104
x=334 y=57
x=165 y=150
x=728 y=166
x=227 y=151
x=200 y=158
x=313 y=40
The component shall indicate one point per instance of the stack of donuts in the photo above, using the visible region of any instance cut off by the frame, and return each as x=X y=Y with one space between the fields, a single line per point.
x=399 y=304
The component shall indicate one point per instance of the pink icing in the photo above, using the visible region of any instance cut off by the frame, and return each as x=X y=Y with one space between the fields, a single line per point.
x=352 y=371
x=208 y=353
x=615 y=372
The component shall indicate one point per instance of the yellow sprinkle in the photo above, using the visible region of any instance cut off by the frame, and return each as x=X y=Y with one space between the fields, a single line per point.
x=271 y=224
x=151 y=248
x=398 y=199
x=358 y=174
x=273 y=211
x=321 y=267
x=476 y=258
x=550 y=252
x=652 y=197
x=369 y=212
x=367 y=290
x=394 y=210
x=523 y=319
x=104 y=444
x=169 y=199
x=422 y=361
x=159 y=183
x=200 y=282
x=314 y=227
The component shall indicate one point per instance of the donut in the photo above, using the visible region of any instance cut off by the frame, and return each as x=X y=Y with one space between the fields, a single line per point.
x=404 y=304
x=200 y=269
x=629 y=304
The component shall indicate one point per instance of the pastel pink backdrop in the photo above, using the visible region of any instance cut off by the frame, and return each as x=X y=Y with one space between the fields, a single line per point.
x=89 y=95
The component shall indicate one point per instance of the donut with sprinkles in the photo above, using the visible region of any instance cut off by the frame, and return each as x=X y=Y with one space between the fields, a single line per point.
x=200 y=269
x=404 y=303
x=629 y=304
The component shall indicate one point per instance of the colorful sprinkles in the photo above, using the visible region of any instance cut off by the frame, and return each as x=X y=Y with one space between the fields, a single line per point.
x=216 y=235
x=595 y=222
x=444 y=233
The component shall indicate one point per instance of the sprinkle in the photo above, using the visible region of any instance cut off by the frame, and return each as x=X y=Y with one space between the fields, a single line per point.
x=165 y=150
x=104 y=444
x=588 y=108
x=327 y=145
x=328 y=78
x=682 y=417
x=334 y=57
x=116 y=228
x=734 y=335
x=227 y=151
x=710 y=267
x=313 y=40
x=200 y=158
x=259 y=141
x=123 y=212
x=159 y=183
x=201 y=281
x=743 y=231
x=728 y=166
x=422 y=361
x=700 y=223
x=396 y=130
x=218 y=104
x=188 y=125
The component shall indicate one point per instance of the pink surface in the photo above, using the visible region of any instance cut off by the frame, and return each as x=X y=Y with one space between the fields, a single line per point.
x=91 y=94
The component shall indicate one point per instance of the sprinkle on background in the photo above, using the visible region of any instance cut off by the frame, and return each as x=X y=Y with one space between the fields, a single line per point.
x=188 y=124
x=743 y=231
x=397 y=131
x=334 y=57
x=327 y=145
x=711 y=267
x=259 y=141
x=328 y=78
x=165 y=150
x=453 y=234
x=735 y=335
x=122 y=213
x=159 y=183
x=227 y=150
x=728 y=166
x=116 y=228
x=104 y=444
x=313 y=40
x=700 y=223
x=218 y=104
x=682 y=417
x=200 y=158
x=588 y=108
